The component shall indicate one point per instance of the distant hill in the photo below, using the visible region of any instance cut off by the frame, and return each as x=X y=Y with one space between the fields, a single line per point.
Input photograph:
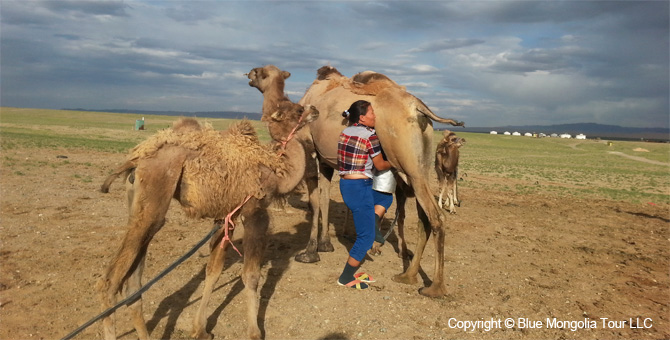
x=591 y=130
x=198 y=114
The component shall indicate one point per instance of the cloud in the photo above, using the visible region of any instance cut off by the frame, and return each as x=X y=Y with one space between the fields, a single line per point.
x=487 y=63
x=446 y=44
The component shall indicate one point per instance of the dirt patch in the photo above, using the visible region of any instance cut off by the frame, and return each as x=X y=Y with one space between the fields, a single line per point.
x=639 y=159
x=528 y=258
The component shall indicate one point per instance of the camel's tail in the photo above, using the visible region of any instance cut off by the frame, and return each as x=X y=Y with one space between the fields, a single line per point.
x=124 y=169
x=423 y=109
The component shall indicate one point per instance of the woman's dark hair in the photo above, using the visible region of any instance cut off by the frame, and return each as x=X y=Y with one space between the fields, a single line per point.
x=356 y=110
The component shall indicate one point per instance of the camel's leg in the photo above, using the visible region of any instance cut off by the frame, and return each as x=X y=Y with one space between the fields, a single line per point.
x=134 y=284
x=437 y=288
x=442 y=186
x=255 y=238
x=213 y=271
x=409 y=276
x=130 y=191
x=433 y=220
x=127 y=260
x=451 y=194
x=401 y=198
x=457 y=202
x=325 y=180
x=153 y=189
x=310 y=254
x=319 y=197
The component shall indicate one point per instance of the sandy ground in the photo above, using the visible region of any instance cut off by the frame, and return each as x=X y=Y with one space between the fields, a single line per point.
x=534 y=267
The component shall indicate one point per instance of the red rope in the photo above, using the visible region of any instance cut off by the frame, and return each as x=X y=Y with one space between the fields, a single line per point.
x=290 y=136
x=229 y=225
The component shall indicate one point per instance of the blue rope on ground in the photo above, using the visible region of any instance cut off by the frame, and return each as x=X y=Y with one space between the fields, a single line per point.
x=130 y=299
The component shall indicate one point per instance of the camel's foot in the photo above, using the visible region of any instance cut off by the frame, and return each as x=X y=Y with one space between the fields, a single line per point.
x=254 y=333
x=406 y=279
x=405 y=254
x=434 y=290
x=325 y=247
x=307 y=257
x=201 y=335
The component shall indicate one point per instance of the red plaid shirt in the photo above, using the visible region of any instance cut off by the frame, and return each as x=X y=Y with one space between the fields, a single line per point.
x=357 y=146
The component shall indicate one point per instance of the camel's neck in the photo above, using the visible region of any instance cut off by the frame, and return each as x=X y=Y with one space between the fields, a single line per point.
x=271 y=98
x=294 y=165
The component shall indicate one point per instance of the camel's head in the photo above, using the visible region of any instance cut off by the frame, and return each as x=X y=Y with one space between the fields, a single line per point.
x=263 y=77
x=289 y=112
x=452 y=139
x=290 y=116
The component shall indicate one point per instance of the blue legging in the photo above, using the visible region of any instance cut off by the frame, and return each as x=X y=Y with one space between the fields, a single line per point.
x=357 y=195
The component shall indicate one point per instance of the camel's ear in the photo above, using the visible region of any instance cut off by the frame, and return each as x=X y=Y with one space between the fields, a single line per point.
x=310 y=114
x=285 y=74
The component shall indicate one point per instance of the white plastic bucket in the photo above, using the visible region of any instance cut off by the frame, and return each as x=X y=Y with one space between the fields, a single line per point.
x=383 y=181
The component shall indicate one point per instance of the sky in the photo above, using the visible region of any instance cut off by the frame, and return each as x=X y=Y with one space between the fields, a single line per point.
x=488 y=63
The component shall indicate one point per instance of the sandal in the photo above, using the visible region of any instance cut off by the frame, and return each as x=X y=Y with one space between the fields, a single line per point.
x=364 y=277
x=356 y=284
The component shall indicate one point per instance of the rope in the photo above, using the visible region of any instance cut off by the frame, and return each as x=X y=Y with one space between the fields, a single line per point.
x=397 y=213
x=290 y=136
x=229 y=225
x=144 y=288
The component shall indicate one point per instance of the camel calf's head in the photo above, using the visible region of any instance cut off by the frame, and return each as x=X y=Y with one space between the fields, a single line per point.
x=452 y=140
x=290 y=117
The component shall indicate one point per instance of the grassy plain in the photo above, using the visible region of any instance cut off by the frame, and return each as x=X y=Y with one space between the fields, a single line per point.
x=568 y=167
x=561 y=167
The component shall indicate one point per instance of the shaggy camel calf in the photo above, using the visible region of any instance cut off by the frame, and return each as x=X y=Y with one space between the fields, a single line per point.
x=210 y=174
x=446 y=167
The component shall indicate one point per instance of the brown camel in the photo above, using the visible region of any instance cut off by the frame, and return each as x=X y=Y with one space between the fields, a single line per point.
x=209 y=173
x=270 y=81
x=446 y=167
x=404 y=127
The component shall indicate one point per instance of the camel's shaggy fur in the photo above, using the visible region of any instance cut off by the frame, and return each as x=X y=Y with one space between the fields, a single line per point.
x=446 y=167
x=217 y=166
x=209 y=173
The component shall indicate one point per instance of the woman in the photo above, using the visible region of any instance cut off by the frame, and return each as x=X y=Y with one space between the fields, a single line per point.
x=358 y=152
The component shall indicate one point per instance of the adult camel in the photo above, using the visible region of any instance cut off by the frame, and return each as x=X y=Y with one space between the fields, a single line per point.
x=404 y=127
x=212 y=174
x=270 y=81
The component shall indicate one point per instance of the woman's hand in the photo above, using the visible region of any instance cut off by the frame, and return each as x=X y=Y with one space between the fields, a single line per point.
x=380 y=163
